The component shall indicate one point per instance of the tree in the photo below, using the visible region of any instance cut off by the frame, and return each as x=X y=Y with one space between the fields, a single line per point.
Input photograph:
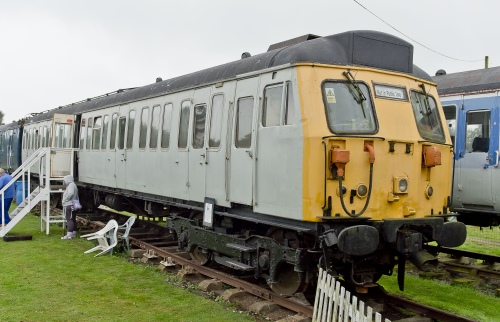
x=1 y=117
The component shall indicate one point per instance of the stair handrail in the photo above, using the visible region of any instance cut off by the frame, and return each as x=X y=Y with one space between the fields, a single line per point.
x=25 y=167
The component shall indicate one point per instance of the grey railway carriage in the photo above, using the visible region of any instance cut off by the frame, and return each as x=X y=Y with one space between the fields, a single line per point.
x=267 y=164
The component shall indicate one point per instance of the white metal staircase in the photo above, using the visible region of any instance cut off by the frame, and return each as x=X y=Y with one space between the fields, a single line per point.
x=41 y=160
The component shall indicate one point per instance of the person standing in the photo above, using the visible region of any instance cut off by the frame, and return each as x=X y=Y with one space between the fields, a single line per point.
x=8 y=195
x=70 y=194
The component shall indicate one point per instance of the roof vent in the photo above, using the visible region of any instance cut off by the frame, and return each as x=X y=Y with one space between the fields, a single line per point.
x=158 y=79
x=246 y=54
x=293 y=41
x=440 y=72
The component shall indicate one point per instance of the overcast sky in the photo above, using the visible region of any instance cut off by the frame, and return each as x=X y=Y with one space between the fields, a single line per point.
x=55 y=52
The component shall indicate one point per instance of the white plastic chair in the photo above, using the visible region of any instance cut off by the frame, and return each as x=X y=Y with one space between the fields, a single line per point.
x=126 y=230
x=106 y=238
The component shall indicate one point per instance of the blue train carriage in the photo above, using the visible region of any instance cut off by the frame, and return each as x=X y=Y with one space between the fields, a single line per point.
x=471 y=104
x=10 y=146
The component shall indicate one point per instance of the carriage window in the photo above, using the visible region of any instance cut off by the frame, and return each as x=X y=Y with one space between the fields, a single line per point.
x=244 y=122
x=112 y=138
x=165 y=130
x=82 y=134
x=37 y=139
x=2 y=138
x=104 y=132
x=427 y=117
x=89 y=133
x=62 y=137
x=143 y=133
x=216 y=121
x=42 y=136
x=477 y=136
x=130 y=129
x=199 y=118
x=155 y=125
x=46 y=136
x=121 y=134
x=349 y=109
x=271 y=109
x=25 y=135
x=96 y=136
x=184 y=125
x=289 y=105
x=30 y=137
x=450 y=114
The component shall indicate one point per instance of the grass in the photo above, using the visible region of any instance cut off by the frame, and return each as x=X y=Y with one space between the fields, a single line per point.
x=49 y=279
x=485 y=240
x=462 y=300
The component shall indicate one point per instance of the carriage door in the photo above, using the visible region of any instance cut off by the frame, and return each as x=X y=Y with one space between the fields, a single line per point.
x=62 y=142
x=476 y=165
x=198 y=151
x=121 y=145
x=242 y=148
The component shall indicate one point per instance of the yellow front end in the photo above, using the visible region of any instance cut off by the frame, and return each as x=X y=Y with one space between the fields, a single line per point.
x=410 y=176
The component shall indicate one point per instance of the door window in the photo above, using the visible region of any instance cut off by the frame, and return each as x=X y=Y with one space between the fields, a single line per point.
x=155 y=124
x=121 y=134
x=143 y=133
x=477 y=136
x=114 y=126
x=130 y=129
x=199 y=121
x=244 y=113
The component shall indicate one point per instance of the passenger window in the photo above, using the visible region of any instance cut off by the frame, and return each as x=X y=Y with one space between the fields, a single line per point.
x=244 y=122
x=199 y=118
x=184 y=125
x=105 y=123
x=46 y=136
x=130 y=129
x=25 y=135
x=165 y=130
x=155 y=125
x=289 y=105
x=82 y=134
x=30 y=137
x=96 y=136
x=216 y=121
x=89 y=133
x=477 y=137
x=37 y=140
x=271 y=109
x=143 y=133
x=112 y=137
x=121 y=135
x=450 y=114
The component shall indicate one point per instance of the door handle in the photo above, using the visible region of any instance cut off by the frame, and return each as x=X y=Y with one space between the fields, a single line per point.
x=250 y=153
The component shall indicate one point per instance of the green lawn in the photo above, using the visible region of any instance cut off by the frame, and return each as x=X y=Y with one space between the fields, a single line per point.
x=49 y=279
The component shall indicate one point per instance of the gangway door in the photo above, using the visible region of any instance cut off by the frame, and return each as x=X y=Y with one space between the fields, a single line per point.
x=62 y=141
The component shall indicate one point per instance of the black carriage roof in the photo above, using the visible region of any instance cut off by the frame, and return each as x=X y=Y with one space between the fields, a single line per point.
x=10 y=126
x=469 y=82
x=354 y=48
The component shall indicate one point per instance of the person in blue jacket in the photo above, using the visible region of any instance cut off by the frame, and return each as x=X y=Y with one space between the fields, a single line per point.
x=8 y=195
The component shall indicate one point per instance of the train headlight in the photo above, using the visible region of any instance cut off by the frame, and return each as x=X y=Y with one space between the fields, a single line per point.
x=361 y=190
x=429 y=191
x=400 y=184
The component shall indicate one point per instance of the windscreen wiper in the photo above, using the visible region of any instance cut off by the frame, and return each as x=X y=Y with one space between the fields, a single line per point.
x=360 y=98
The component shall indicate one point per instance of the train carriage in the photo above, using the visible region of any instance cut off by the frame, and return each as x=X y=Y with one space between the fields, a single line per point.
x=471 y=104
x=10 y=146
x=323 y=151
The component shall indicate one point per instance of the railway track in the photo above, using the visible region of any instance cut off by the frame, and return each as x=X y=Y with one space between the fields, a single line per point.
x=158 y=242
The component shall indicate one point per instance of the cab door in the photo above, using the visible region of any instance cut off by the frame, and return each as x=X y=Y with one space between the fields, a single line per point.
x=61 y=156
x=242 y=148
x=478 y=158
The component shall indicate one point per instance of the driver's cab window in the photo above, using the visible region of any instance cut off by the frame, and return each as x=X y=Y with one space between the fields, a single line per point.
x=477 y=137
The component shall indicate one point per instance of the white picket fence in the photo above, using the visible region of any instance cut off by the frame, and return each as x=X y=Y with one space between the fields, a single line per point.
x=334 y=304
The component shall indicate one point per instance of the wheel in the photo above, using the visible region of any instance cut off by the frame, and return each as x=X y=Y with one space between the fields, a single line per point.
x=287 y=281
x=200 y=256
